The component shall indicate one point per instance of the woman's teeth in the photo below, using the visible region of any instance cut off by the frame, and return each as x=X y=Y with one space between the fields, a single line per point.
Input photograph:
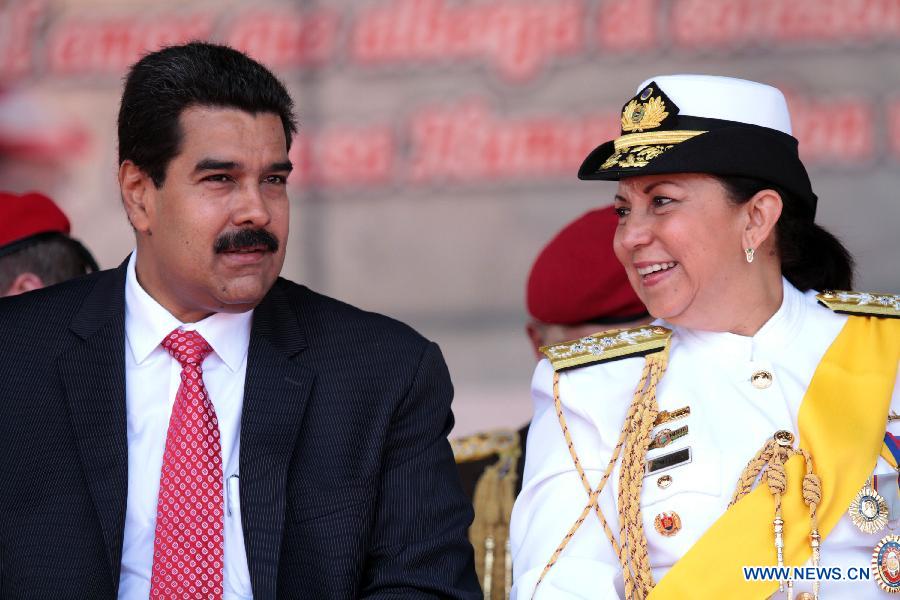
x=654 y=268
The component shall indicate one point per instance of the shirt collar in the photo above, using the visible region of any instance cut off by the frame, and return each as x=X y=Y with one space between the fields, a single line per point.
x=147 y=323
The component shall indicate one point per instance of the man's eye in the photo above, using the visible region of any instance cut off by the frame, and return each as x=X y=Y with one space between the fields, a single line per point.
x=622 y=211
x=217 y=178
x=276 y=179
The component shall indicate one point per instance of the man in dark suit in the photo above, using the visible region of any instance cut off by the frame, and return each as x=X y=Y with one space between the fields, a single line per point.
x=189 y=425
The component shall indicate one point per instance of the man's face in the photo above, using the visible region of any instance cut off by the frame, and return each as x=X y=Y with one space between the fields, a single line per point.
x=212 y=237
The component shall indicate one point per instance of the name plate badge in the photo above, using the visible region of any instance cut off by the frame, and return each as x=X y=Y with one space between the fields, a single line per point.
x=667 y=461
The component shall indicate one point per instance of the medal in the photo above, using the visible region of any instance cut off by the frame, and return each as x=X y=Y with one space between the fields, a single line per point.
x=868 y=510
x=668 y=523
x=886 y=564
x=665 y=416
x=666 y=437
x=888 y=486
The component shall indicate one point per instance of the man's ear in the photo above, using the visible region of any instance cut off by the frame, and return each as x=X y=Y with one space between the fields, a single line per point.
x=536 y=336
x=24 y=282
x=763 y=211
x=137 y=190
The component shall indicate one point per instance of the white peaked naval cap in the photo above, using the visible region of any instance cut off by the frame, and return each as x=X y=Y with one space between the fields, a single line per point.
x=727 y=98
x=706 y=124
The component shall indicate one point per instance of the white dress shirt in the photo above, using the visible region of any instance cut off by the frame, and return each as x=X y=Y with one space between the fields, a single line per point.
x=152 y=378
x=730 y=420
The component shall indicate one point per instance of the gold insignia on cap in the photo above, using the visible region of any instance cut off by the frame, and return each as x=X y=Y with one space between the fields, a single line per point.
x=638 y=116
x=861 y=303
x=638 y=149
x=607 y=345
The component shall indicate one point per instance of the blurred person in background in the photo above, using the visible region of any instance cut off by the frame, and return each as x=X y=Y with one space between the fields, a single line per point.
x=751 y=424
x=35 y=247
x=576 y=288
x=190 y=425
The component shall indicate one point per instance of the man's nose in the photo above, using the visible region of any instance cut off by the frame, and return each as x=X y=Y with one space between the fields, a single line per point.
x=251 y=208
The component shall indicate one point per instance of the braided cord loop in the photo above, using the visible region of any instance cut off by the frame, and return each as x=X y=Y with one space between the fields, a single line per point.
x=769 y=462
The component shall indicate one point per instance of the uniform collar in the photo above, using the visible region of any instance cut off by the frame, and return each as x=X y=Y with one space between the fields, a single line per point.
x=773 y=337
x=147 y=323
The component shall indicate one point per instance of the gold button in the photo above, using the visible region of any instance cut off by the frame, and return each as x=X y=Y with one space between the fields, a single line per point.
x=805 y=596
x=784 y=438
x=761 y=379
x=664 y=482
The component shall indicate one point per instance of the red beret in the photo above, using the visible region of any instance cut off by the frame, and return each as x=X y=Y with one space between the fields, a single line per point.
x=577 y=279
x=31 y=214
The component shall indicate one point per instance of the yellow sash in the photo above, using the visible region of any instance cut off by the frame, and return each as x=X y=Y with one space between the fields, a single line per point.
x=842 y=422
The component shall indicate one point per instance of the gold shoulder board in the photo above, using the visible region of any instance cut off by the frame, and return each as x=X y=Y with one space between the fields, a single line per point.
x=606 y=346
x=482 y=445
x=861 y=303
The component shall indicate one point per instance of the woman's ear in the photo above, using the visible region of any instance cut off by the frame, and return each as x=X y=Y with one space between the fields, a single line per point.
x=763 y=211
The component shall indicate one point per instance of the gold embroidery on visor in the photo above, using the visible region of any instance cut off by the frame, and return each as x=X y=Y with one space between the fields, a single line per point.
x=638 y=149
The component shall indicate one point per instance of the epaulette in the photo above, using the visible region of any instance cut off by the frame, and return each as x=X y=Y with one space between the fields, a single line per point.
x=482 y=445
x=861 y=303
x=606 y=346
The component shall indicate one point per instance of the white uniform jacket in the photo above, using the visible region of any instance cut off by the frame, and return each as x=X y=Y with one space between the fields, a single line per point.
x=729 y=421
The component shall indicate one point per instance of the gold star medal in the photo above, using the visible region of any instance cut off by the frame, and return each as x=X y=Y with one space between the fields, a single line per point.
x=868 y=510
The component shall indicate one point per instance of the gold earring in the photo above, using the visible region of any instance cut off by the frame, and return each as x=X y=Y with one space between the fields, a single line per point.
x=749 y=252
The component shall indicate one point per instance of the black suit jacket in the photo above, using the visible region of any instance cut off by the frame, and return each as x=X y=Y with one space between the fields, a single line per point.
x=348 y=486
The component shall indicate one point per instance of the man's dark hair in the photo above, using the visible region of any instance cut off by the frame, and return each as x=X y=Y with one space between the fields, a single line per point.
x=52 y=257
x=812 y=258
x=161 y=85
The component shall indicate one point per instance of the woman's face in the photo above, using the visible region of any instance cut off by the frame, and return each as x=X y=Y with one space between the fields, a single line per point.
x=680 y=241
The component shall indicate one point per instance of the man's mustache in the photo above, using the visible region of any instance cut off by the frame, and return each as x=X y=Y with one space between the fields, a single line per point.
x=241 y=239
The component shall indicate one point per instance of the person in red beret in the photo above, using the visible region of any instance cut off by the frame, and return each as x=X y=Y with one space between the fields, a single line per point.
x=576 y=287
x=35 y=248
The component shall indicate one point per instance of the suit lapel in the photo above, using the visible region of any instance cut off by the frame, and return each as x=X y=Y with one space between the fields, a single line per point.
x=93 y=375
x=275 y=394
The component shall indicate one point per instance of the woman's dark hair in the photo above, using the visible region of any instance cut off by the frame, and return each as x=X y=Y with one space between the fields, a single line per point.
x=161 y=85
x=811 y=257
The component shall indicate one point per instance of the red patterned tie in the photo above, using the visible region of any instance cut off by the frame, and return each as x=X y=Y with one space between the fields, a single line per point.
x=189 y=545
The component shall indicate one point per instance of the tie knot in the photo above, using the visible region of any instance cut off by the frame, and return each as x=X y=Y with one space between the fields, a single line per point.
x=187 y=347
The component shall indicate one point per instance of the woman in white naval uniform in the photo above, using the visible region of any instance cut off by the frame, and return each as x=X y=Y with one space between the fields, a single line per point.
x=717 y=235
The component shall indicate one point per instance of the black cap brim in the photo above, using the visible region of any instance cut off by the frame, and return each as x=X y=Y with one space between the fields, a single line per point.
x=739 y=150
